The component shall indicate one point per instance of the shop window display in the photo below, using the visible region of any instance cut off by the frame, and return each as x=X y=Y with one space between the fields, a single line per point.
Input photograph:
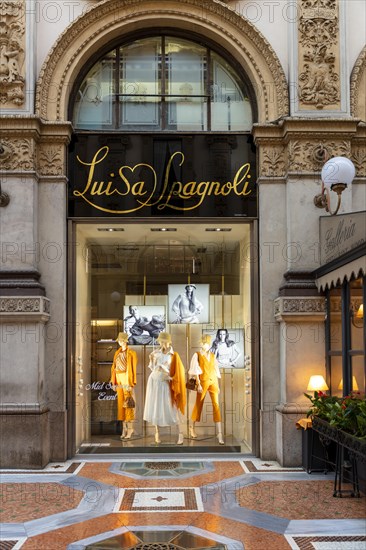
x=113 y=406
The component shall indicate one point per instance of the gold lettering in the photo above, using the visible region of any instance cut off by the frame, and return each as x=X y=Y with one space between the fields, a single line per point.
x=92 y=165
x=238 y=181
x=138 y=189
x=226 y=188
x=217 y=185
x=188 y=189
x=166 y=178
x=191 y=191
x=172 y=192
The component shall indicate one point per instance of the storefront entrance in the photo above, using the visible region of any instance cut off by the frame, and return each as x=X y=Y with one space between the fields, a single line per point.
x=162 y=205
x=128 y=278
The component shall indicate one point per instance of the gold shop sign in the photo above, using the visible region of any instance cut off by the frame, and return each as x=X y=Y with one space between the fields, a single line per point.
x=103 y=184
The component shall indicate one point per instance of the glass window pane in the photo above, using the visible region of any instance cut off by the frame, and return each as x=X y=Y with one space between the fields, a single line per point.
x=335 y=343
x=93 y=107
x=140 y=74
x=186 y=113
x=185 y=68
x=336 y=379
x=230 y=108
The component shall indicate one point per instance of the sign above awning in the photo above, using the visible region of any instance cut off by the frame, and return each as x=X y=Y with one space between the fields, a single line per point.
x=341 y=234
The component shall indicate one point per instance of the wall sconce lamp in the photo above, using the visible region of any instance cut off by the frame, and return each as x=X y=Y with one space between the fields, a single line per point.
x=337 y=174
x=317 y=383
x=357 y=316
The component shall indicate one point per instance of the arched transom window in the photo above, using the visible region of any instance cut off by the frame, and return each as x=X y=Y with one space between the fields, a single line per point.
x=162 y=83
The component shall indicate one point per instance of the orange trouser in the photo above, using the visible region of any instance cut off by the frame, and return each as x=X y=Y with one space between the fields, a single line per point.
x=213 y=390
x=123 y=413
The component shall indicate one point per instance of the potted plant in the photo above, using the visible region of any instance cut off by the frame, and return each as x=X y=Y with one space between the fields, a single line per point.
x=341 y=419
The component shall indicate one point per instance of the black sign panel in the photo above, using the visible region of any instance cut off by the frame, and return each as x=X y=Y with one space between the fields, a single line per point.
x=162 y=176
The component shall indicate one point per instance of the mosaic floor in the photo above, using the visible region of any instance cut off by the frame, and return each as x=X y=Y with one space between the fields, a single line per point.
x=217 y=504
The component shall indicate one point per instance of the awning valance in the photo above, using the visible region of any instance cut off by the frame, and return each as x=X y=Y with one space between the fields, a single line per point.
x=355 y=268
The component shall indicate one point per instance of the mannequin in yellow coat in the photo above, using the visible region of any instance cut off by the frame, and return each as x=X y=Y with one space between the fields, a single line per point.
x=204 y=368
x=123 y=379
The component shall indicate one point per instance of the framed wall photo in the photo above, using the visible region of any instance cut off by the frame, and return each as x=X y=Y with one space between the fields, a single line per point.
x=188 y=303
x=143 y=324
x=228 y=346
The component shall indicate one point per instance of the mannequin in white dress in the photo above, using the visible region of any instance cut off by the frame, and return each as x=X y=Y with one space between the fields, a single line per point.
x=165 y=390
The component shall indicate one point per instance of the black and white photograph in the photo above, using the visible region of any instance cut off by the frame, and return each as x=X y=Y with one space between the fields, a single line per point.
x=228 y=347
x=188 y=303
x=143 y=324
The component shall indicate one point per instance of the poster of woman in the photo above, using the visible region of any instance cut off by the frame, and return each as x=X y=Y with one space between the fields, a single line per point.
x=228 y=347
x=143 y=324
x=188 y=303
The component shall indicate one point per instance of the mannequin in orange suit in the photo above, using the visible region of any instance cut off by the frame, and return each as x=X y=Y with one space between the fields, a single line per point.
x=204 y=368
x=123 y=379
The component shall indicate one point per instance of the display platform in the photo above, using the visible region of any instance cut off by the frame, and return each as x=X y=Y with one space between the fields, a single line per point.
x=147 y=445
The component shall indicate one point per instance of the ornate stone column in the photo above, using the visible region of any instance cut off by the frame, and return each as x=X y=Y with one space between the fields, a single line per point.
x=291 y=155
x=33 y=237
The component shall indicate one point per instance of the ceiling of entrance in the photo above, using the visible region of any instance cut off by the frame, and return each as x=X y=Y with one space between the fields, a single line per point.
x=177 y=233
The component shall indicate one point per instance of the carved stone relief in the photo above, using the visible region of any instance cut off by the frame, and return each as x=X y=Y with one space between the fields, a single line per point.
x=358 y=87
x=309 y=156
x=319 y=53
x=12 y=53
x=50 y=160
x=359 y=159
x=273 y=161
x=25 y=305
x=16 y=154
x=299 y=307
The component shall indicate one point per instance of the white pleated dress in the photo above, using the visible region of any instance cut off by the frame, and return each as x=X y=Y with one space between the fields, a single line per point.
x=159 y=409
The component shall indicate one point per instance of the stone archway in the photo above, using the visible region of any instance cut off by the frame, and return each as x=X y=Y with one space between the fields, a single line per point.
x=358 y=87
x=108 y=19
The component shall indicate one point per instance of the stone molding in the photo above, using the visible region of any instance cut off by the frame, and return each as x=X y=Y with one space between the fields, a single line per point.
x=109 y=19
x=292 y=408
x=358 y=85
x=12 y=40
x=319 y=60
x=31 y=145
x=24 y=309
x=298 y=146
x=298 y=308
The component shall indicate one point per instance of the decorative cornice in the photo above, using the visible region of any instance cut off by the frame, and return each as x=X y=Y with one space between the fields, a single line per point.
x=116 y=14
x=300 y=145
x=299 y=309
x=22 y=136
x=358 y=94
x=24 y=308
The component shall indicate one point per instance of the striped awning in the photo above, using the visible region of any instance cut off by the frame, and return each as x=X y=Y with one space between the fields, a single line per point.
x=355 y=268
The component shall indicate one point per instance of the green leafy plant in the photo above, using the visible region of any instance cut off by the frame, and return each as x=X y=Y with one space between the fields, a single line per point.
x=346 y=413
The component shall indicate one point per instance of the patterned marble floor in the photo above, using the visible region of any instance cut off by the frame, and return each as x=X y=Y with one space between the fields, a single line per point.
x=176 y=503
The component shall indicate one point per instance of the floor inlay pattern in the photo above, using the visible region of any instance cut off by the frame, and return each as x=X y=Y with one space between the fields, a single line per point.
x=328 y=543
x=161 y=469
x=161 y=500
x=264 y=509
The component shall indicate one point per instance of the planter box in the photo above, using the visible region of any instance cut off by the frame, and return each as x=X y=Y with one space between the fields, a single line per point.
x=348 y=441
x=318 y=453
